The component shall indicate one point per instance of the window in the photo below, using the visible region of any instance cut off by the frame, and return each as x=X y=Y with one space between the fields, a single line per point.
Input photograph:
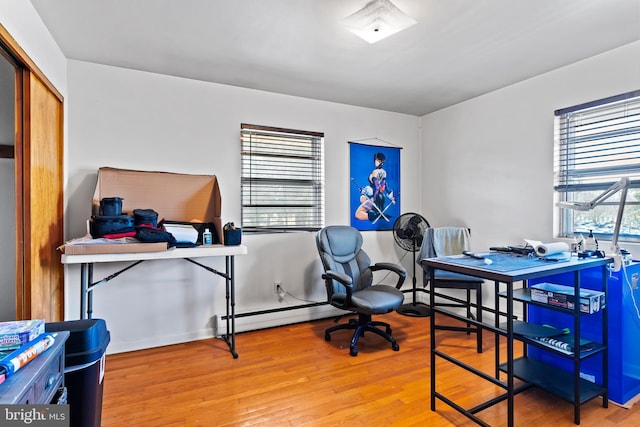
x=282 y=179
x=596 y=144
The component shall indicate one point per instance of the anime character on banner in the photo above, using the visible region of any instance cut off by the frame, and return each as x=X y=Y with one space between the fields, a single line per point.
x=375 y=178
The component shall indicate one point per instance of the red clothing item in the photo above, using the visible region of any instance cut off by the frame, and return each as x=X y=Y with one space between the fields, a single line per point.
x=119 y=235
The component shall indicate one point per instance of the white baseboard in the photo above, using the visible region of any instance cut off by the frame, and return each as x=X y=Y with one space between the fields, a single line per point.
x=243 y=324
x=246 y=323
x=156 y=341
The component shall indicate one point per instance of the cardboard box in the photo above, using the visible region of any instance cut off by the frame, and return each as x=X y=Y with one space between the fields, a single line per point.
x=86 y=246
x=563 y=296
x=15 y=334
x=175 y=196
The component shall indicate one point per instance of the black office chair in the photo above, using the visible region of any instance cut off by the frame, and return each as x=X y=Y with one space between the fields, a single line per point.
x=445 y=241
x=349 y=276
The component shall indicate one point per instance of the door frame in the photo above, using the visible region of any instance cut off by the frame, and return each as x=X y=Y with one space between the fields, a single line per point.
x=39 y=273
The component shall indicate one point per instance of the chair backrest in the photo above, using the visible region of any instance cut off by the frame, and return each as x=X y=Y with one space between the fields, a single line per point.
x=340 y=248
x=444 y=241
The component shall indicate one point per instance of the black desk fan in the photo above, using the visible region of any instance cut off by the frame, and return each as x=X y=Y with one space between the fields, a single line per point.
x=408 y=232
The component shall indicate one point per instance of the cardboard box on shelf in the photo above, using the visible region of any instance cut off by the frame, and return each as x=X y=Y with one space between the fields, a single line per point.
x=87 y=245
x=564 y=296
x=174 y=196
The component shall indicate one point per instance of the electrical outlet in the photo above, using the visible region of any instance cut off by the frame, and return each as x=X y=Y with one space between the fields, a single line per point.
x=634 y=281
x=277 y=287
x=281 y=293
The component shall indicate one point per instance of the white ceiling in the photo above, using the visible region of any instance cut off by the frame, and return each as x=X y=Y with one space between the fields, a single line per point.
x=458 y=50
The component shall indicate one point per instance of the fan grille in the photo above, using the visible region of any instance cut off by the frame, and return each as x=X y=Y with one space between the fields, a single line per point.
x=408 y=231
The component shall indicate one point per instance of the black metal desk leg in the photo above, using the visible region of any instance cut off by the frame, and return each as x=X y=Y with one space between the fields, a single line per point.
x=230 y=296
x=510 y=382
x=90 y=292
x=432 y=338
x=496 y=337
x=231 y=301
x=84 y=271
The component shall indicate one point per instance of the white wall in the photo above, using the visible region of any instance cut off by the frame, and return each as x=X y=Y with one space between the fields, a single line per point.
x=132 y=119
x=488 y=162
x=26 y=27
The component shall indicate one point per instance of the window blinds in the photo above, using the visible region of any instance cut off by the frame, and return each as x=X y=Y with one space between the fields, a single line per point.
x=282 y=179
x=597 y=143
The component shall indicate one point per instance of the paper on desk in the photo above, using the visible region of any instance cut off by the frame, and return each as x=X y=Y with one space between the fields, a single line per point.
x=532 y=243
x=88 y=240
x=548 y=249
x=183 y=233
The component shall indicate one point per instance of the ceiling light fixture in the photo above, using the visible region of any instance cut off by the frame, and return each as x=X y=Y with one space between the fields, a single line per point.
x=377 y=20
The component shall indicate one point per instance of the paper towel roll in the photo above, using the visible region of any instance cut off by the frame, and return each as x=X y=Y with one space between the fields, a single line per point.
x=546 y=249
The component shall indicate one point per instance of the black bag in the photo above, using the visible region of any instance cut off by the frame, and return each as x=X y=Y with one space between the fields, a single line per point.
x=111 y=206
x=145 y=217
x=154 y=235
x=110 y=224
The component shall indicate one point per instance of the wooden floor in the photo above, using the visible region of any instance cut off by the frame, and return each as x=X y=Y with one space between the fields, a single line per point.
x=290 y=376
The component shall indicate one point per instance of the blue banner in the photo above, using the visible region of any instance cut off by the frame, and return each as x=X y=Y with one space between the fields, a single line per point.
x=375 y=186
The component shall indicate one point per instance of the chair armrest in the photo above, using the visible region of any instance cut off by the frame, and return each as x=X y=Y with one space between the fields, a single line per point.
x=340 y=277
x=396 y=268
x=345 y=280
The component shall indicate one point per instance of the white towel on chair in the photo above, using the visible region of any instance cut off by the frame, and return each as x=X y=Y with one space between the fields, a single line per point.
x=426 y=249
x=444 y=241
x=451 y=240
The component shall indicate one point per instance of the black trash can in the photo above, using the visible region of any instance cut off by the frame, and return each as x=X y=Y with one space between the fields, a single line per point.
x=85 y=353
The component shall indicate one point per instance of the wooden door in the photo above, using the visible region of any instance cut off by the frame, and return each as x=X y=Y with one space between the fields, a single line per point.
x=39 y=189
x=42 y=173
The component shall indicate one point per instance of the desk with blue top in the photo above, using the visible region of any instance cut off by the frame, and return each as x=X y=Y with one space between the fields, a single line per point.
x=504 y=271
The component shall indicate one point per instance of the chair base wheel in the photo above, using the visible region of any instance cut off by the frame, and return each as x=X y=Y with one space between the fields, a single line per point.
x=362 y=325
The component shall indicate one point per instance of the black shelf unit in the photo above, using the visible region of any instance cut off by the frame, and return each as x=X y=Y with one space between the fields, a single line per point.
x=505 y=271
x=554 y=380
x=524 y=295
x=586 y=351
x=566 y=385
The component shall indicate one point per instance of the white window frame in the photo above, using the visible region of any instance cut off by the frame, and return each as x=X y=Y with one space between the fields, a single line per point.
x=596 y=144
x=282 y=179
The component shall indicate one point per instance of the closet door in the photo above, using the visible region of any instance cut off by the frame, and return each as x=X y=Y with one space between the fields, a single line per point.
x=42 y=194
x=38 y=187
